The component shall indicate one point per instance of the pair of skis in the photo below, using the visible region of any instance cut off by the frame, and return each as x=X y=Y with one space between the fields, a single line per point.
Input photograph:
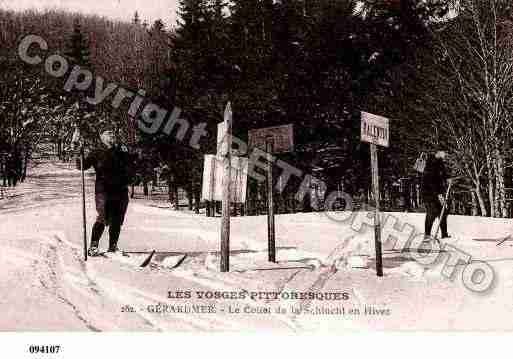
x=144 y=264
x=179 y=259
x=499 y=241
x=444 y=205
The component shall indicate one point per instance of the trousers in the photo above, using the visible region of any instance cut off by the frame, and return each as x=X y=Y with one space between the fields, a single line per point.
x=111 y=210
x=433 y=211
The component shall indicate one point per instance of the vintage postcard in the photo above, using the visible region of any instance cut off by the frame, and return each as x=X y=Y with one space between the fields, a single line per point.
x=255 y=166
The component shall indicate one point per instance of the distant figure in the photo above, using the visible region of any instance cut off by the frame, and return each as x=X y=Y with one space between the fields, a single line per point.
x=11 y=168
x=434 y=185
x=3 y=168
x=114 y=173
x=406 y=194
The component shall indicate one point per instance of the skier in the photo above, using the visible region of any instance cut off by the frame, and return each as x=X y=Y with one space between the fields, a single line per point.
x=114 y=172
x=3 y=168
x=434 y=185
x=11 y=169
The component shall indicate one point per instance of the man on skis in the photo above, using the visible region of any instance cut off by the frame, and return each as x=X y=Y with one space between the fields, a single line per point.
x=114 y=168
x=434 y=186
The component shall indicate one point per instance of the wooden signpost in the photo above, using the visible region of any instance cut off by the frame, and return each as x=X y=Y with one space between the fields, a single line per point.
x=225 y=221
x=375 y=130
x=277 y=139
x=225 y=179
x=271 y=232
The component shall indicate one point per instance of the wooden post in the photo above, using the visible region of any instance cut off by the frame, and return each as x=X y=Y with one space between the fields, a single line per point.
x=197 y=201
x=177 y=199
x=211 y=203
x=225 y=222
x=270 y=207
x=377 y=225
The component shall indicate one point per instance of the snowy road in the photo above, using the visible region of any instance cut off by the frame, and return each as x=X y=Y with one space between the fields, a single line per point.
x=46 y=285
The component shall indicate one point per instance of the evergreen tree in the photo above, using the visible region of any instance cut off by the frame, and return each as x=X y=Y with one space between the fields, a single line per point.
x=78 y=53
x=193 y=16
x=78 y=46
x=136 y=20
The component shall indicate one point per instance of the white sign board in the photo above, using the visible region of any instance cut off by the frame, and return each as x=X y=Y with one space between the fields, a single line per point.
x=375 y=129
x=212 y=189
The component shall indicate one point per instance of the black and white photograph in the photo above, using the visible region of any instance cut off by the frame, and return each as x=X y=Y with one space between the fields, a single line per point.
x=277 y=166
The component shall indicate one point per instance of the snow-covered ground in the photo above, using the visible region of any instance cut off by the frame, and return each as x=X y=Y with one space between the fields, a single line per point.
x=46 y=285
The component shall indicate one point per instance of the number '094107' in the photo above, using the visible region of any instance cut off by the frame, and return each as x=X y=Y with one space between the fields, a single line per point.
x=44 y=349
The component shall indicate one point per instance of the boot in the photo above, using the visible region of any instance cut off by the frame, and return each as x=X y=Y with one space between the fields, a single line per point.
x=93 y=252
x=96 y=234
x=114 y=231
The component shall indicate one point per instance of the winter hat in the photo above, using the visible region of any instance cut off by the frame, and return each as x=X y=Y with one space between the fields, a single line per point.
x=107 y=138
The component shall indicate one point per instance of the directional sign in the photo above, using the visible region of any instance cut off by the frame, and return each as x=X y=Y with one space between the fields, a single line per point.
x=375 y=129
x=280 y=137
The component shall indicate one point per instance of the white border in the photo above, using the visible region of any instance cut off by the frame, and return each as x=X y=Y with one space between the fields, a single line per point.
x=247 y=346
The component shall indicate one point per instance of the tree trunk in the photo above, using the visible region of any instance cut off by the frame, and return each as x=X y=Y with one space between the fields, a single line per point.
x=482 y=204
x=25 y=163
x=170 y=191
x=59 y=149
x=475 y=209
x=501 y=190
x=145 y=188
x=190 y=198
x=491 y=183
x=177 y=200
x=480 y=199
x=197 y=201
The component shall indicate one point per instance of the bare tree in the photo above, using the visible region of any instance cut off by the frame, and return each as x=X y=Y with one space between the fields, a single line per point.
x=470 y=92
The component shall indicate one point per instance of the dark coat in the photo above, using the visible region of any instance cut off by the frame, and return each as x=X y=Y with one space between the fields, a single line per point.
x=434 y=178
x=114 y=169
x=12 y=165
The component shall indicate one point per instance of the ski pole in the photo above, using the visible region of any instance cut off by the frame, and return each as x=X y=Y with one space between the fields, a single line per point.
x=76 y=139
x=444 y=206
x=84 y=223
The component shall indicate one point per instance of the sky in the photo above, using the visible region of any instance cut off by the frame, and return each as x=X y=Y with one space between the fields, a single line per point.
x=115 y=9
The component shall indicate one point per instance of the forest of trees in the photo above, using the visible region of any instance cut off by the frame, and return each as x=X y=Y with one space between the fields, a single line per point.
x=441 y=70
